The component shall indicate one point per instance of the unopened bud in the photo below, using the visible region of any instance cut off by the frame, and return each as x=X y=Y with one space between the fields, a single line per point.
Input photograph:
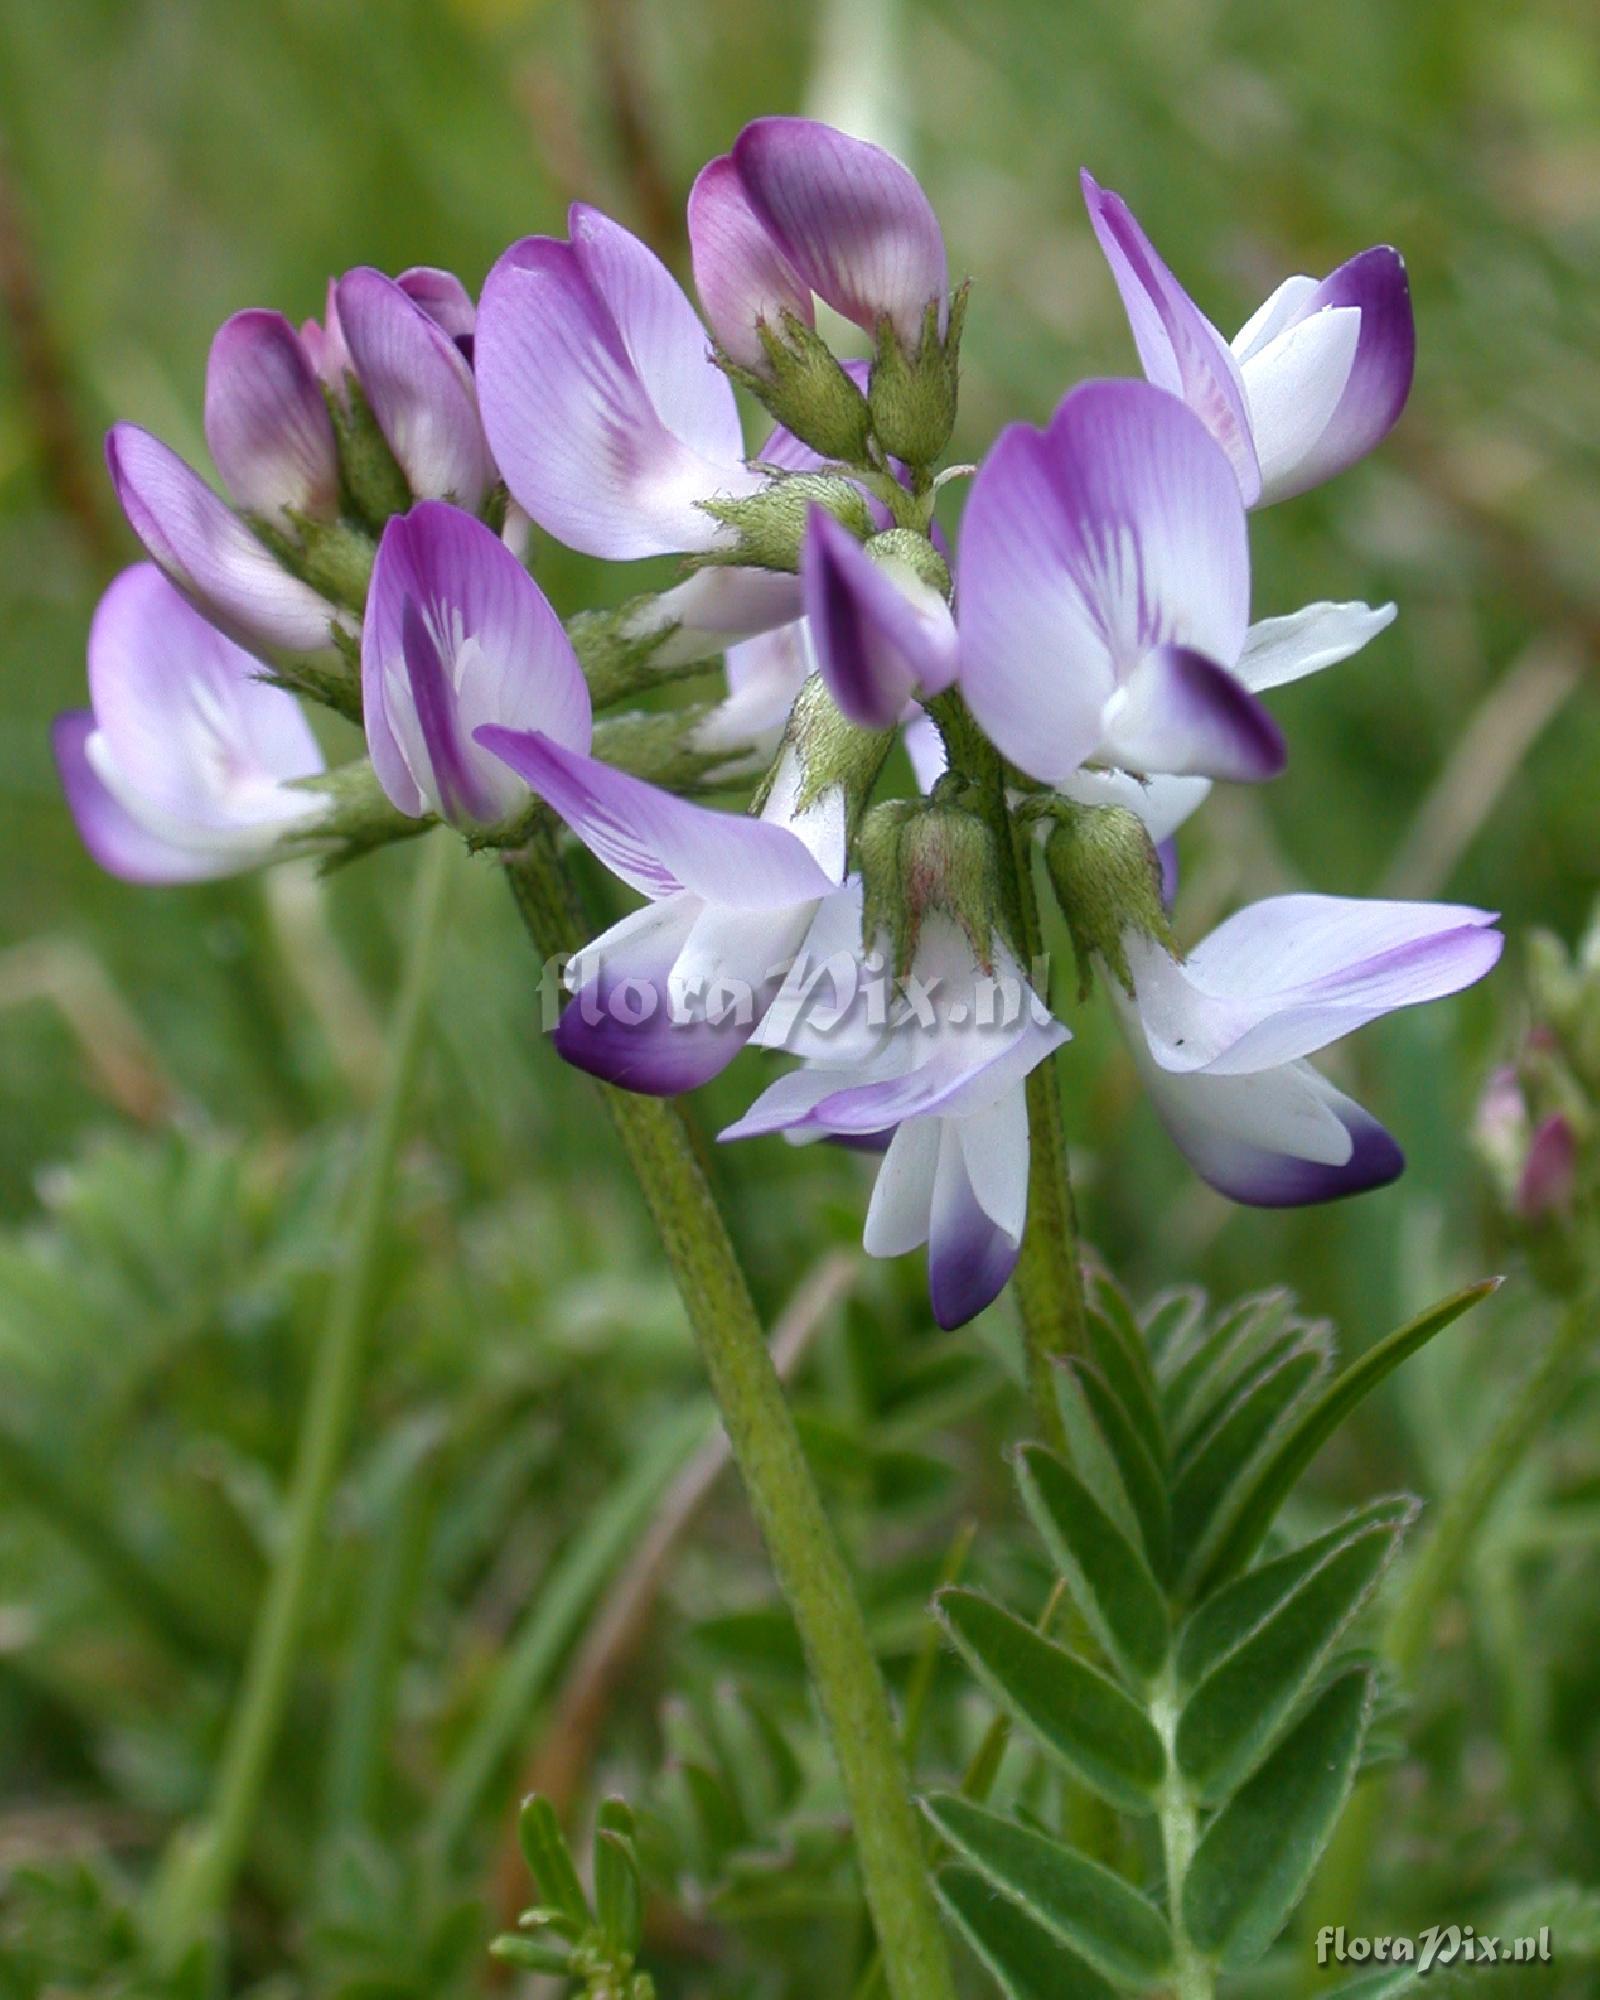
x=1107 y=877
x=919 y=858
x=369 y=469
x=771 y=525
x=905 y=549
x=804 y=387
x=913 y=394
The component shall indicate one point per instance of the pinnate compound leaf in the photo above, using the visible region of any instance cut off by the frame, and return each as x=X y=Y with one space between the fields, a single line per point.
x=1074 y=1712
x=1199 y=1386
x=1106 y=1573
x=1271 y=1482
x=1257 y=1855
x=1026 y=1961
x=1233 y=1717
x=1233 y=1613
x=1083 y=1905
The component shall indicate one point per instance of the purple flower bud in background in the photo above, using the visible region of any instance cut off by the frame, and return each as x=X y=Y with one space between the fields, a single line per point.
x=1314 y=379
x=267 y=423
x=1104 y=594
x=458 y=635
x=1549 y=1174
x=208 y=552
x=941 y=1076
x=418 y=385
x=798 y=209
x=184 y=766
x=881 y=633
x=1220 y=1038
x=445 y=300
x=607 y=415
x=666 y=998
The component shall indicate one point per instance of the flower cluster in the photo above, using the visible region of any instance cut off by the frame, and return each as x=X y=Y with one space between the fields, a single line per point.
x=1070 y=678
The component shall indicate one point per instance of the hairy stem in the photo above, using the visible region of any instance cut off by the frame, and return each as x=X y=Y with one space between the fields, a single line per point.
x=1180 y=1833
x=198 y=1873
x=1049 y=1285
x=805 y=1554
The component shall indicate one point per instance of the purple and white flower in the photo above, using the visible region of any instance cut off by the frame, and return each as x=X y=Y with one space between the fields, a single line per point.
x=204 y=548
x=417 y=383
x=609 y=418
x=185 y=765
x=267 y=422
x=666 y=998
x=798 y=212
x=938 y=1073
x=1104 y=598
x=882 y=634
x=1221 y=1038
x=458 y=635
x=1316 y=377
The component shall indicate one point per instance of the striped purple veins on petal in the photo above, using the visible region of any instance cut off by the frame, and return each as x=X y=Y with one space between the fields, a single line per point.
x=657 y=843
x=460 y=796
x=1179 y=349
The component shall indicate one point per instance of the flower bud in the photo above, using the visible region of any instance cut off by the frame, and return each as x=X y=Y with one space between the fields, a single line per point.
x=770 y=526
x=920 y=858
x=806 y=390
x=913 y=393
x=1107 y=877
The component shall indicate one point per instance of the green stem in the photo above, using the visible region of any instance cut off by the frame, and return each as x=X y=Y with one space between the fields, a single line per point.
x=1180 y=1832
x=198 y=1872
x=805 y=1554
x=1438 y=1569
x=1048 y=1282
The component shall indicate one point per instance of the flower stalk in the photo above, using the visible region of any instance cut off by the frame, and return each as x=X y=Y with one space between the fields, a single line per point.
x=800 y=1541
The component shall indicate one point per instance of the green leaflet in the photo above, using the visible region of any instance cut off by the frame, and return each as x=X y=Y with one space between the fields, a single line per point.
x=618 y=1894
x=1127 y=1375
x=1107 y=1574
x=1272 y=1482
x=1209 y=1365
x=1207 y=1486
x=1142 y=1476
x=544 y=1848
x=1234 y=1715
x=1094 y=1912
x=1235 y=1611
x=1026 y=1961
x=1075 y=1713
x=1257 y=1855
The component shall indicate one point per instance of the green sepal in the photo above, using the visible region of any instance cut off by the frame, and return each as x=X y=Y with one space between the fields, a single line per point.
x=1106 y=875
x=806 y=389
x=370 y=472
x=359 y=817
x=913 y=394
x=769 y=527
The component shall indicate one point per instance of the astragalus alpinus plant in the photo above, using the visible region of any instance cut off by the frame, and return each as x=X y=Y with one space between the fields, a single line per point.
x=1070 y=676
